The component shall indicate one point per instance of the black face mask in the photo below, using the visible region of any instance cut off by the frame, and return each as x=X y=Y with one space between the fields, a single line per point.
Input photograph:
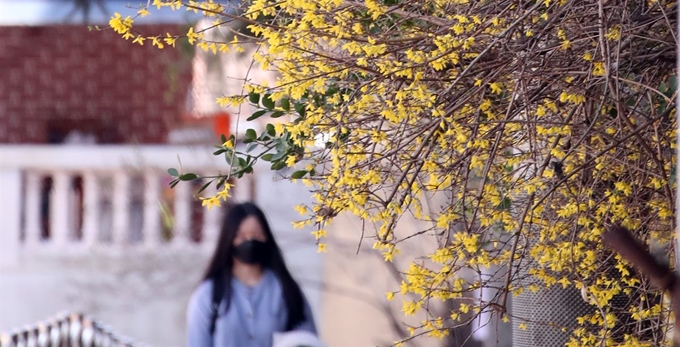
x=251 y=252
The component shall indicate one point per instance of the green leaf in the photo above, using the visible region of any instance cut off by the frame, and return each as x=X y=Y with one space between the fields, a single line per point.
x=188 y=176
x=613 y=113
x=204 y=186
x=254 y=98
x=223 y=138
x=268 y=102
x=673 y=83
x=251 y=146
x=673 y=176
x=343 y=137
x=663 y=88
x=271 y=130
x=332 y=90
x=298 y=174
x=220 y=182
x=173 y=183
x=285 y=104
x=662 y=106
x=173 y=172
x=256 y=115
x=251 y=134
x=277 y=114
x=279 y=155
x=505 y=204
x=268 y=157
x=219 y=151
x=301 y=109
x=278 y=165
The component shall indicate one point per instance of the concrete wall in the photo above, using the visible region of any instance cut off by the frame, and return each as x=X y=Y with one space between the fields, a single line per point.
x=142 y=295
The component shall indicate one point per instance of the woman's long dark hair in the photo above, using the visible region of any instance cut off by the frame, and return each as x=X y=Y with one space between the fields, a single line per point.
x=220 y=268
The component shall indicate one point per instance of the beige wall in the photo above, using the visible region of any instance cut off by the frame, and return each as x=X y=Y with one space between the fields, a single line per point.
x=355 y=309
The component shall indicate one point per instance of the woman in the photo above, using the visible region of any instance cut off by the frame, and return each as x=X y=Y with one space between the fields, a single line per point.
x=247 y=294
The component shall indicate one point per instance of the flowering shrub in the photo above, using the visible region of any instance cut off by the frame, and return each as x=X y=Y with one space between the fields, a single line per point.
x=543 y=122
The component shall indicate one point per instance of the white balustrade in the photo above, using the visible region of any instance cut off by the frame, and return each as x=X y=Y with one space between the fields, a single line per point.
x=76 y=215
x=121 y=202
x=152 y=195
x=91 y=213
x=182 y=204
x=32 y=218
x=10 y=215
x=72 y=330
x=59 y=208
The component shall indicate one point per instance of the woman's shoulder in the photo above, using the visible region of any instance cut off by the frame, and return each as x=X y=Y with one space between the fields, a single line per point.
x=205 y=286
x=203 y=291
x=272 y=279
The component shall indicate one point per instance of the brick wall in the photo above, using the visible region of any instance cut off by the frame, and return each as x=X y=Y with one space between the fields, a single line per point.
x=55 y=79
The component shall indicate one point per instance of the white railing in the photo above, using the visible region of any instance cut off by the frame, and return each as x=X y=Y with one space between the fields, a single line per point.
x=80 y=197
x=68 y=330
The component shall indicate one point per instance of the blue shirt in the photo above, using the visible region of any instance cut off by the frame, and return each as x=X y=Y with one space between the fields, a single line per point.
x=254 y=315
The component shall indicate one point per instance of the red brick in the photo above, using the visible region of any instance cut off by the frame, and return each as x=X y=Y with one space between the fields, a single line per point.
x=54 y=73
